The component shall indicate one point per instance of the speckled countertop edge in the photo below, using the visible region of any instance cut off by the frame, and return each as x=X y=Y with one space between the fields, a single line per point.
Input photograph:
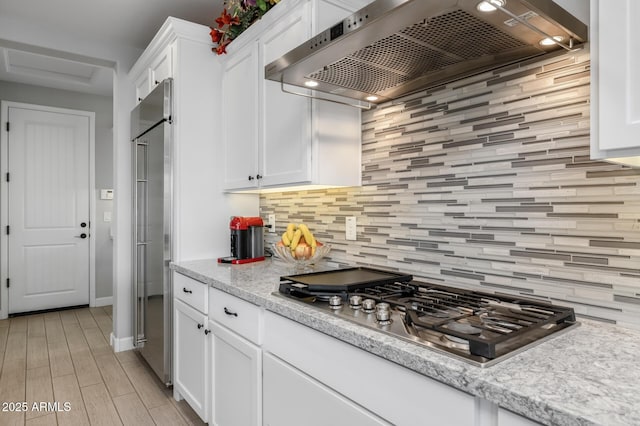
x=572 y=379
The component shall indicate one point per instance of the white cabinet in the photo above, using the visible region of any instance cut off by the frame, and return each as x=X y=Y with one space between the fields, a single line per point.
x=236 y=379
x=161 y=67
x=273 y=139
x=361 y=377
x=142 y=86
x=191 y=357
x=291 y=398
x=150 y=76
x=191 y=292
x=236 y=359
x=507 y=418
x=615 y=87
x=286 y=125
x=239 y=124
x=201 y=209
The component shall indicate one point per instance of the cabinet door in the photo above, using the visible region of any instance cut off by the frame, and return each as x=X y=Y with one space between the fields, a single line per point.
x=286 y=130
x=615 y=59
x=161 y=67
x=142 y=86
x=236 y=379
x=291 y=398
x=191 y=357
x=240 y=118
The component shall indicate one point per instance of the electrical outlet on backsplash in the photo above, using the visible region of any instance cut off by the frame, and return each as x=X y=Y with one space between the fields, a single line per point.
x=487 y=183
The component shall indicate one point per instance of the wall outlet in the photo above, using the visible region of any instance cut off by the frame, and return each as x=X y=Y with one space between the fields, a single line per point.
x=350 y=228
x=272 y=223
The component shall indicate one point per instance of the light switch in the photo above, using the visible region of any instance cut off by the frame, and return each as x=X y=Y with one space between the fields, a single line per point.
x=106 y=194
x=106 y=216
x=272 y=223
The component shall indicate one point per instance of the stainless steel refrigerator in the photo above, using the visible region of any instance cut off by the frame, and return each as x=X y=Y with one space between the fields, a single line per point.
x=152 y=207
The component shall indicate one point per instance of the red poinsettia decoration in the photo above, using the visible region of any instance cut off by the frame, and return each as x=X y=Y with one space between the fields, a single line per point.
x=235 y=18
x=226 y=19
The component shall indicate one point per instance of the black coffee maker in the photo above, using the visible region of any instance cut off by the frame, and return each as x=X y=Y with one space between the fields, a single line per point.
x=247 y=240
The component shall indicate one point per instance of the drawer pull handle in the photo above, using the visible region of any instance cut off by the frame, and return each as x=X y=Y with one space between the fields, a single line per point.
x=207 y=332
x=200 y=326
x=228 y=312
x=186 y=291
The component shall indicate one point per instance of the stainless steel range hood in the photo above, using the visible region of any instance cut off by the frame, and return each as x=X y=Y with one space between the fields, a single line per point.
x=394 y=47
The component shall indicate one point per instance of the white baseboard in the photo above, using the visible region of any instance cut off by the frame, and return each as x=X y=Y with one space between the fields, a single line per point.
x=104 y=301
x=123 y=344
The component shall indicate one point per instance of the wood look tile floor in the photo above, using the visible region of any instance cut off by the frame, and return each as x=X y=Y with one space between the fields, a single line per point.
x=65 y=357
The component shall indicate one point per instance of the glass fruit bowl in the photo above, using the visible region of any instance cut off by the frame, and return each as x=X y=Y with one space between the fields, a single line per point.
x=284 y=253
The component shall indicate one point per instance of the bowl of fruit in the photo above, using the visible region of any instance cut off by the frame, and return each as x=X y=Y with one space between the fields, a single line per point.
x=298 y=246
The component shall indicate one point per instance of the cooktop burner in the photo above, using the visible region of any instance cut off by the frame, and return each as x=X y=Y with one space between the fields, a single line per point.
x=481 y=328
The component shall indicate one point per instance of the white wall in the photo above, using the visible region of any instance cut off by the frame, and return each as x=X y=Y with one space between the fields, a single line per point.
x=579 y=8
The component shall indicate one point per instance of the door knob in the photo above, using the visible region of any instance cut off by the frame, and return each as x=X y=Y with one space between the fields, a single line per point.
x=83 y=225
x=83 y=236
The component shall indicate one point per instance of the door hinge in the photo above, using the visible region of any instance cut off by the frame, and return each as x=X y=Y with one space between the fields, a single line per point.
x=7 y=176
x=7 y=229
x=8 y=283
x=8 y=126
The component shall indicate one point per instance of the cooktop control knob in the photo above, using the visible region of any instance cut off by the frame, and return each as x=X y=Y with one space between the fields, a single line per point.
x=368 y=305
x=335 y=302
x=355 y=301
x=383 y=313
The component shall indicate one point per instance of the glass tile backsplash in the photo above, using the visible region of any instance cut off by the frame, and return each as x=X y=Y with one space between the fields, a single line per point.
x=487 y=183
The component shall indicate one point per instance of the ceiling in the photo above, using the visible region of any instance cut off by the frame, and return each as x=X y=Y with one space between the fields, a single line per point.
x=119 y=22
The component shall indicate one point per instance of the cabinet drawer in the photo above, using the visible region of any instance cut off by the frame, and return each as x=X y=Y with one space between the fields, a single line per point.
x=190 y=291
x=330 y=362
x=242 y=317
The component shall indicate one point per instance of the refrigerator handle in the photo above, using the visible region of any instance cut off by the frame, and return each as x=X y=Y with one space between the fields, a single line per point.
x=134 y=238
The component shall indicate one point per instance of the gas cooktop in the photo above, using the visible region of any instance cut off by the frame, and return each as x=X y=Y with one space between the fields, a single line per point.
x=477 y=327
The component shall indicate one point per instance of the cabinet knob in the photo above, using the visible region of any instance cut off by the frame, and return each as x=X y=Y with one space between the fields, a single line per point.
x=200 y=326
x=186 y=291
x=139 y=99
x=250 y=177
x=258 y=176
x=230 y=313
x=157 y=82
x=207 y=332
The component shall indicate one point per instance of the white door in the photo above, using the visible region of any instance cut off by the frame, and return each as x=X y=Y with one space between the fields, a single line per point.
x=191 y=357
x=236 y=379
x=285 y=153
x=240 y=97
x=48 y=209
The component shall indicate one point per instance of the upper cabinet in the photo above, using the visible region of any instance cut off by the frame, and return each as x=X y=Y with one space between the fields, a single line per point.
x=153 y=73
x=615 y=88
x=274 y=139
x=201 y=210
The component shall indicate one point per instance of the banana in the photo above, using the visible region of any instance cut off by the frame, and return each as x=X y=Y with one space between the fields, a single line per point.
x=296 y=239
x=308 y=237
x=291 y=228
x=285 y=239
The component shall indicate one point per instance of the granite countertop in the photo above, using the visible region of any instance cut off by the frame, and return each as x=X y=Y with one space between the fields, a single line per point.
x=589 y=375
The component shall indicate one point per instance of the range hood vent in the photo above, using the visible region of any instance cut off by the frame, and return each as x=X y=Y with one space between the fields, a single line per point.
x=394 y=47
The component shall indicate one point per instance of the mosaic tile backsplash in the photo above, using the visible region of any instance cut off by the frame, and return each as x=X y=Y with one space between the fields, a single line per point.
x=487 y=184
